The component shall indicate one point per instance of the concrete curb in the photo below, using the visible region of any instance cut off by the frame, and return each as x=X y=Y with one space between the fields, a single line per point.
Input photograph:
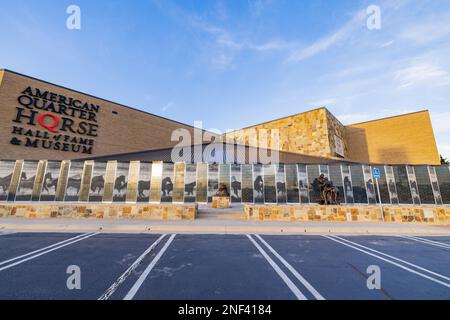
x=214 y=227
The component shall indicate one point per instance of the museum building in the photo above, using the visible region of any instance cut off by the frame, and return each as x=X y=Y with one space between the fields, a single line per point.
x=61 y=145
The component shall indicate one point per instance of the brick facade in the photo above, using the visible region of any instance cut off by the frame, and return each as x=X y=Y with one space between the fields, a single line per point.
x=120 y=129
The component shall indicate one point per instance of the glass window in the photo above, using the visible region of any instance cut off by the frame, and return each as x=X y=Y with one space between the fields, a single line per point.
x=402 y=184
x=270 y=193
x=155 y=185
x=347 y=183
x=236 y=183
x=224 y=176
x=121 y=182
x=167 y=183
x=202 y=182
x=213 y=180
x=281 y=183
x=435 y=186
x=75 y=176
x=258 y=183
x=359 y=185
x=370 y=185
x=50 y=181
x=247 y=183
x=178 y=192
x=292 y=184
x=190 y=183
x=6 y=174
x=382 y=185
x=97 y=186
x=336 y=179
x=314 y=188
x=413 y=184
x=26 y=181
x=144 y=182
x=424 y=184
x=443 y=176
x=390 y=178
x=303 y=184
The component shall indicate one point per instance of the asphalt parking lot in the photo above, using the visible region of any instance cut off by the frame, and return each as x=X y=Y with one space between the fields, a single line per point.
x=222 y=267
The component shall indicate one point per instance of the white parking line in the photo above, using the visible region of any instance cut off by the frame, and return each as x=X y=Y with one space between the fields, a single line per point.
x=390 y=261
x=125 y=275
x=42 y=249
x=296 y=291
x=130 y=295
x=394 y=258
x=427 y=241
x=6 y=233
x=299 y=277
x=45 y=252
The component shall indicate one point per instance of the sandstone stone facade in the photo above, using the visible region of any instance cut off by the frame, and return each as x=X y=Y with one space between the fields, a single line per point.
x=306 y=133
x=221 y=202
x=302 y=213
x=404 y=139
x=100 y=211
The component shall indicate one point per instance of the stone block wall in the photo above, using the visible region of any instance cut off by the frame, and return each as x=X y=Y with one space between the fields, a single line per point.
x=305 y=133
x=100 y=211
x=302 y=213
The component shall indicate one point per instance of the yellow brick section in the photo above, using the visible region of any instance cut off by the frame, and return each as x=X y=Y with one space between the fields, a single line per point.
x=405 y=139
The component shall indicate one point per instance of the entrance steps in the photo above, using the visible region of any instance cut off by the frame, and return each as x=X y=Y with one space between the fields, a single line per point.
x=236 y=212
x=227 y=215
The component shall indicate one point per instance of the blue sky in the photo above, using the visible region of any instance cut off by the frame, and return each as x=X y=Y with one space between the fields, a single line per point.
x=235 y=63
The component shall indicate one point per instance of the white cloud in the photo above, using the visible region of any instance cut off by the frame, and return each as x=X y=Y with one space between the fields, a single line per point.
x=428 y=31
x=331 y=40
x=423 y=73
x=355 y=117
x=350 y=118
x=258 y=6
x=387 y=44
x=441 y=122
x=167 y=106
x=323 y=103
x=221 y=10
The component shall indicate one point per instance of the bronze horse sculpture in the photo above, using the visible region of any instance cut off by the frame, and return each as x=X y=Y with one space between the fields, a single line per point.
x=223 y=191
x=328 y=192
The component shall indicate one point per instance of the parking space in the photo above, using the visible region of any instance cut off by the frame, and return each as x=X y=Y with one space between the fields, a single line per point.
x=226 y=267
x=431 y=256
x=102 y=258
x=339 y=270
x=213 y=267
x=16 y=244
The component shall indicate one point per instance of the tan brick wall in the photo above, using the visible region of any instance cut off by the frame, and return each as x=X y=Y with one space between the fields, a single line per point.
x=129 y=131
x=405 y=139
x=1 y=76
